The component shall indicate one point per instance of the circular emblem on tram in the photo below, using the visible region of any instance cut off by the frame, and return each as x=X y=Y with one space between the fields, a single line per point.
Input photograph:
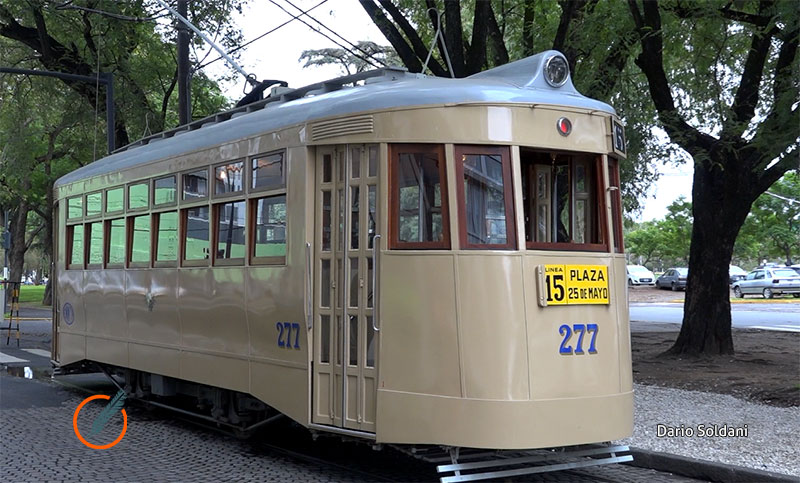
x=69 y=314
x=564 y=126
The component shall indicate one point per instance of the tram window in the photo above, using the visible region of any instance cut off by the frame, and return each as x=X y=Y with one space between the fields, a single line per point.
x=229 y=233
x=164 y=190
x=116 y=242
x=228 y=178
x=167 y=237
x=485 y=202
x=196 y=226
x=268 y=172
x=114 y=200
x=94 y=204
x=75 y=207
x=75 y=238
x=616 y=204
x=140 y=240
x=418 y=201
x=269 y=232
x=195 y=185
x=563 y=201
x=138 y=195
x=95 y=241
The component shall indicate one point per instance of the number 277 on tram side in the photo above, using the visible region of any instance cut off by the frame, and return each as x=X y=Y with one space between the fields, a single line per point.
x=411 y=260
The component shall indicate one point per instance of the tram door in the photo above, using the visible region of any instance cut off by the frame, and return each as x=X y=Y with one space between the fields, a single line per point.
x=345 y=340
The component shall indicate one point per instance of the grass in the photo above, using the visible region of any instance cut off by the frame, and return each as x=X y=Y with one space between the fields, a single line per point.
x=31 y=294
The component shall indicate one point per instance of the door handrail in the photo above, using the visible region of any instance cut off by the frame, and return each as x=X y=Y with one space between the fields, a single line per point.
x=376 y=250
x=309 y=291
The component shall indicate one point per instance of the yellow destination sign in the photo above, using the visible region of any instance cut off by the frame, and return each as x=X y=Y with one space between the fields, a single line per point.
x=576 y=284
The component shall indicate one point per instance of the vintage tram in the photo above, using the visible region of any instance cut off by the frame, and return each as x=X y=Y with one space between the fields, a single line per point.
x=390 y=256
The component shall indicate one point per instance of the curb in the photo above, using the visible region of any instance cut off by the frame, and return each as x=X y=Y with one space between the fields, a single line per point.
x=703 y=469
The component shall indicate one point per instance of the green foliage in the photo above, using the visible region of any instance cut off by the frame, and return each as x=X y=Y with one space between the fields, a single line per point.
x=354 y=61
x=663 y=243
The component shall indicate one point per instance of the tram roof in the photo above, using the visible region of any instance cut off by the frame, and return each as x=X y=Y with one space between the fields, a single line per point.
x=517 y=82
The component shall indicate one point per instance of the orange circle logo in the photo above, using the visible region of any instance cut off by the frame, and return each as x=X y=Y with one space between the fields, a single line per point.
x=78 y=433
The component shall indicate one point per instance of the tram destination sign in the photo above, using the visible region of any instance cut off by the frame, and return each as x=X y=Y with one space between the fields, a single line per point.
x=576 y=284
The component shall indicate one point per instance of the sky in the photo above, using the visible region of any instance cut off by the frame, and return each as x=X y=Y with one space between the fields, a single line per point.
x=276 y=55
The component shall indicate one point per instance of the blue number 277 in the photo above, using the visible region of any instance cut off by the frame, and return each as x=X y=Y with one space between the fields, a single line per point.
x=579 y=330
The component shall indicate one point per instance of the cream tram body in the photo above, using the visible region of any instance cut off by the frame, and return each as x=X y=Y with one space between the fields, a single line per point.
x=272 y=283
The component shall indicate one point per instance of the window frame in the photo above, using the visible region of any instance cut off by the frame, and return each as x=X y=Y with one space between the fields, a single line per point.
x=129 y=242
x=614 y=189
x=181 y=186
x=155 y=223
x=251 y=224
x=127 y=202
x=266 y=189
x=395 y=149
x=70 y=247
x=170 y=204
x=184 y=232
x=99 y=214
x=107 y=243
x=105 y=201
x=212 y=191
x=88 y=246
x=508 y=196
x=215 y=216
x=599 y=197
x=83 y=209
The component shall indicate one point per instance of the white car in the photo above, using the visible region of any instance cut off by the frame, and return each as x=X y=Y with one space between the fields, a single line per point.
x=639 y=275
x=769 y=282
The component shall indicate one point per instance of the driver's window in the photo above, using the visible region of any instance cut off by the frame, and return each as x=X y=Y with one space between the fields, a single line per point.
x=750 y=276
x=759 y=275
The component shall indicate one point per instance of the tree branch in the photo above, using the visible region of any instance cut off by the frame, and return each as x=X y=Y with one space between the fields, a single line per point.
x=527 y=28
x=498 y=46
x=744 y=104
x=110 y=14
x=394 y=37
x=412 y=36
x=476 y=56
x=452 y=34
x=651 y=62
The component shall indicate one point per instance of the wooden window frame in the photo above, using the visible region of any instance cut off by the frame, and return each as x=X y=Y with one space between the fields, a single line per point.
x=70 y=241
x=99 y=214
x=129 y=243
x=153 y=193
x=284 y=172
x=128 y=208
x=212 y=191
x=107 y=244
x=184 y=227
x=105 y=201
x=614 y=188
x=215 y=215
x=87 y=245
x=252 y=213
x=394 y=202
x=599 y=198
x=181 y=185
x=155 y=223
x=508 y=196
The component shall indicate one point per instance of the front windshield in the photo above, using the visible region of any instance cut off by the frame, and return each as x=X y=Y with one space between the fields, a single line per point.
x=637 y=269
x=737 y=271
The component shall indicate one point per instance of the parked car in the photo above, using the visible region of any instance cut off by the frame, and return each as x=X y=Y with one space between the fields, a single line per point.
x=639 y=275
x=674 y=278
x=769 y=282
x=735 y=273
x=796 y=268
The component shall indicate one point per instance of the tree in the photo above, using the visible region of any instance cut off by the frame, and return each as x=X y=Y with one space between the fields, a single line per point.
x=50 y=127
x=736 y=71
x=647 y=242
x=719 y=77
x=364 y=58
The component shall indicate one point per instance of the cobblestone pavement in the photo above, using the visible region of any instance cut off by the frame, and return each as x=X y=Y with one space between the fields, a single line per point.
x=39 y=444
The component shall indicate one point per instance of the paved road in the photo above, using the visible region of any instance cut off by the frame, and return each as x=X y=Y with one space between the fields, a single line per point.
x=779 y=317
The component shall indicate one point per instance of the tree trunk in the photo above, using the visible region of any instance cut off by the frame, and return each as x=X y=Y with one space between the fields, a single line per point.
x=719 y=210
x=48 y=292
x=16 y=256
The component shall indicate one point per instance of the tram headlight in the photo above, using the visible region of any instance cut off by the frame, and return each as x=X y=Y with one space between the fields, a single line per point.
x=556 y=70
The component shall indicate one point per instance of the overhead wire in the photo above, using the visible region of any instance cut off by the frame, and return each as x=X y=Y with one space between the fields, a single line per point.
x=355 y=46
x=365 y=59
x=294 y=17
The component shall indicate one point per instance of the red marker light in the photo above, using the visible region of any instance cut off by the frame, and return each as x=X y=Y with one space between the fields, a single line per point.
x=564 y=126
